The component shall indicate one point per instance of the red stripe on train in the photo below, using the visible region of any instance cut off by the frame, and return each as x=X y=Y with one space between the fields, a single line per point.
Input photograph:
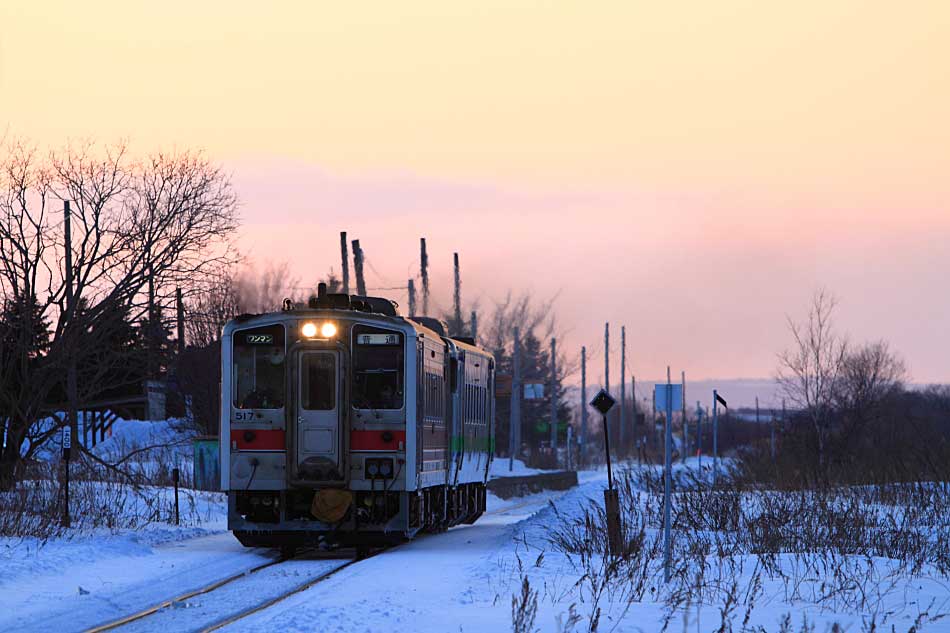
x=377 y=440
x=258 y=440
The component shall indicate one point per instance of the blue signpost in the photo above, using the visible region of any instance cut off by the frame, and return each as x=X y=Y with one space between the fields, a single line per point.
x=670 y=397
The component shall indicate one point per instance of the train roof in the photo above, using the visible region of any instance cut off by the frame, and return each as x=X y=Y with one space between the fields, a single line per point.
x=426 y=326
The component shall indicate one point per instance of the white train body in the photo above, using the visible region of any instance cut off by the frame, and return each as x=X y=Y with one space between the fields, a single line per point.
x=348 y=422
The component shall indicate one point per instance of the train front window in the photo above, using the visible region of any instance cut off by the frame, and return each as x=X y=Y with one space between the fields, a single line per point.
x=378 y=361
x=259 y=368
x=318 y=382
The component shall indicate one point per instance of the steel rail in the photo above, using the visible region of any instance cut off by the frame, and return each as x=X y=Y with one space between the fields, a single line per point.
x=144 y=613
x=185 y=596
x=272 y=601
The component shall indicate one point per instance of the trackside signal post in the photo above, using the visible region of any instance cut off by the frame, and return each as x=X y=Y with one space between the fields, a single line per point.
x=716 y=400
x=603 y=402
x=671 y=397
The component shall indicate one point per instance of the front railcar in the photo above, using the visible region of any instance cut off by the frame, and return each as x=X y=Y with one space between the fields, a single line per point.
x=336 y=424
x=314 y=425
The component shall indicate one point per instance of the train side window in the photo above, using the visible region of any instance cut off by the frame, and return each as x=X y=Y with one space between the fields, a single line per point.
x=259 y=368
x=378 y=360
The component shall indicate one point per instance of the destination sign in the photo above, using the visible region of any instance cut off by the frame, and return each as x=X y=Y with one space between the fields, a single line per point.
x=377 y=339
x=259 y=339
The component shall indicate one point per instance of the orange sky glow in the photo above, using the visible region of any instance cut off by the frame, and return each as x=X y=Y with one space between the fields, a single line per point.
x=693 y=170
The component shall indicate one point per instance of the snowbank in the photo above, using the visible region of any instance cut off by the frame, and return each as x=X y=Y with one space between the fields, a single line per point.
x=499 y=468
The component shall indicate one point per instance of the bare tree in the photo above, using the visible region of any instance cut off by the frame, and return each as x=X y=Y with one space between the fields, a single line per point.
x=166 y=220
x=209 y=307
x=809 y=370
x=870 y=375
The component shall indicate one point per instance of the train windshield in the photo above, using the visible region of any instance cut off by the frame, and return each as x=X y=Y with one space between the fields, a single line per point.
x=378 y=361
x=259 y=368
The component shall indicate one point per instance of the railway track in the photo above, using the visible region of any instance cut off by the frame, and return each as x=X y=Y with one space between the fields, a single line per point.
x=149 y=617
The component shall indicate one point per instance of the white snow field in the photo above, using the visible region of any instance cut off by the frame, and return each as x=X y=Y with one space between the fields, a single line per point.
x=462 y=580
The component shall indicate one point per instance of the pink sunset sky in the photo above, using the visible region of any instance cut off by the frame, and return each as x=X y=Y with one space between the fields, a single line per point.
x=693 y=170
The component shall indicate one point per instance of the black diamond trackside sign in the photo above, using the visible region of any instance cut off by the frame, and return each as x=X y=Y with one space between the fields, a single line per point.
x=603 y=402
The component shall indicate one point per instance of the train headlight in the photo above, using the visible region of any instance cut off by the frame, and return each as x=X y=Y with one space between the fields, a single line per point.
x=328 y=330
x=309 y=330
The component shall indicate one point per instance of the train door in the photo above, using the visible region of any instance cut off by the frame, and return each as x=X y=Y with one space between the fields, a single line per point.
x=318 y=433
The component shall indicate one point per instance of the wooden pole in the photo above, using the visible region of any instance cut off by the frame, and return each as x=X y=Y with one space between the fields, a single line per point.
x=583 y=404
x=668 y=478
x=653 y=430
x=358 y=268
x=553 y=397
x=622 y=435
x=424 y=269
x=772 y=434
x=71 y=380
x=685 y=423
x=180 y=310
x=457 y=296
x=514 y=430
x=715 y=446
x=345 y=256
x=633 y=425
x=152 y=331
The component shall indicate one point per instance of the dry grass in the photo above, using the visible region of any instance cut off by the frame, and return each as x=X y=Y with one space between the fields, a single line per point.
x=844 y=550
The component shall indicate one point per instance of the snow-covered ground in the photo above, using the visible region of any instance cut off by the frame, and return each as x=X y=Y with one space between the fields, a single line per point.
x=462 y=580
x=502 y=467
x=77 y=581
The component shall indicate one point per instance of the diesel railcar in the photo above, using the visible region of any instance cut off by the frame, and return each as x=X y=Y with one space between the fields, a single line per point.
x=344 y=422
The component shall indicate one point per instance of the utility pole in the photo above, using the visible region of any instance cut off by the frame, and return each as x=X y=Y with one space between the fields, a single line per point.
x=457 y=297
x=345 y=256
x=685 y=423
x=514 y=432
x=358 y=268
x=653 y=423
x=412 y=298
x=72 y=387
x=474 y=323
x=772 y=436
x=699 y=433
x=774 y=451
x=152 y=373
x=553 y=396
x=633 y=424
x=180 y=309
x=715 y=436
x=668 y=477
x=606 y=362
x=424 y=269
x=583 y=403
x=622 y=448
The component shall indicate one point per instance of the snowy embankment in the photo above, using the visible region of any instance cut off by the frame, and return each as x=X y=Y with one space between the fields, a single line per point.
x=743 y=560
x=467 y=579
x=122 y=548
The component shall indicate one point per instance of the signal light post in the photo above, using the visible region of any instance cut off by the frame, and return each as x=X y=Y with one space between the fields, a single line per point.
x=603 y=402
